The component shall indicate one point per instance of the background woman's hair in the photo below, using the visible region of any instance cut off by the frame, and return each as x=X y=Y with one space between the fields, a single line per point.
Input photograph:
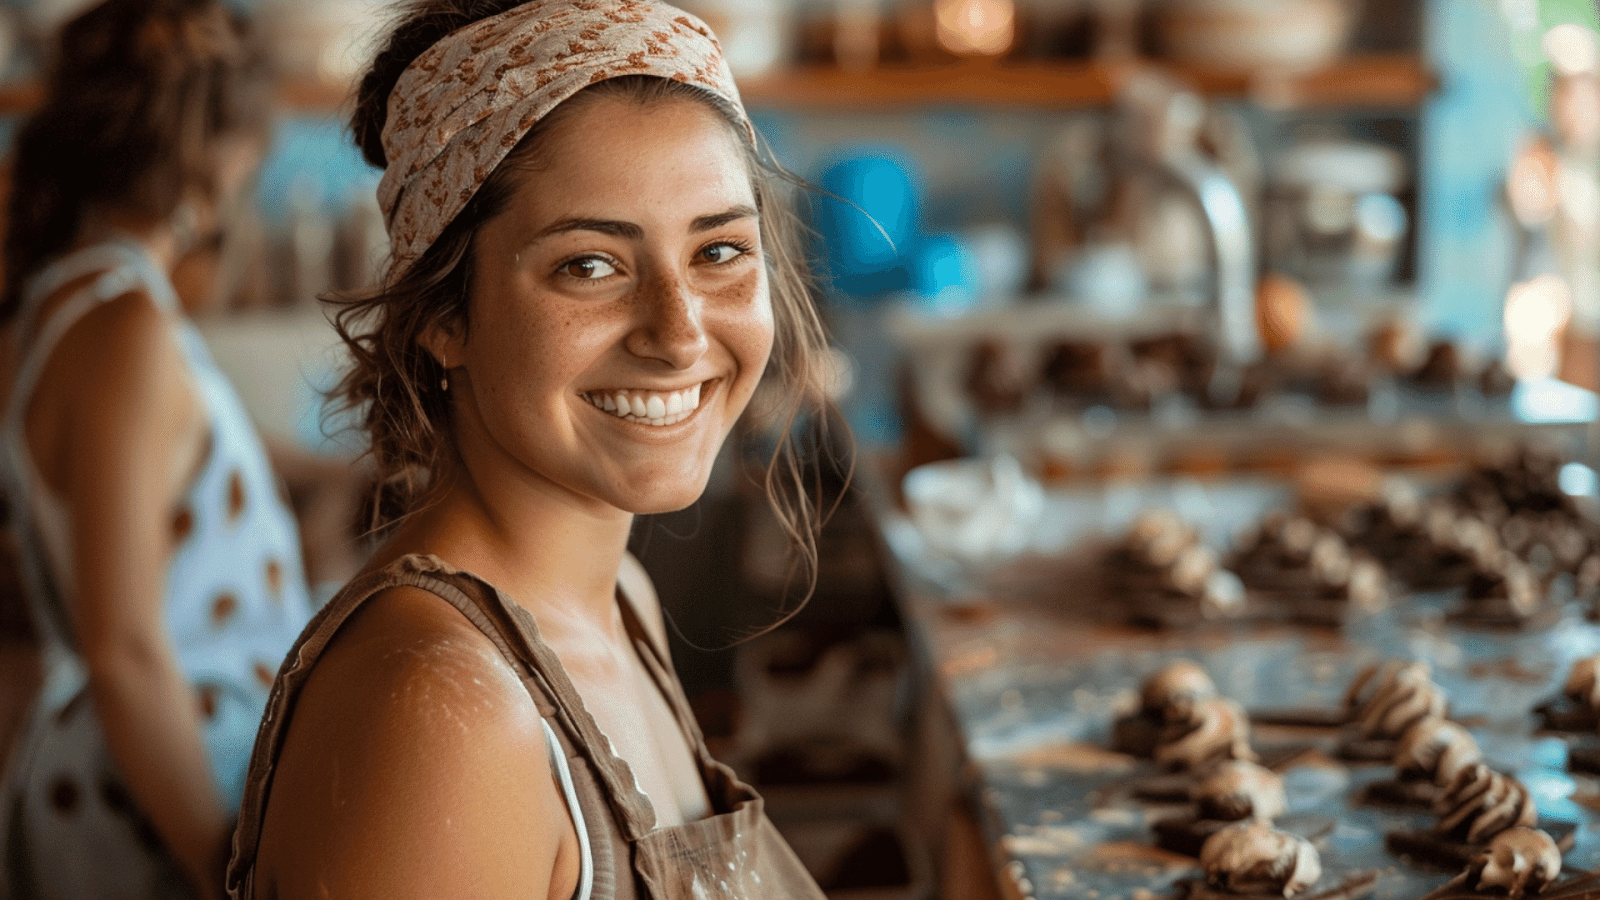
x=138 y=97
x=393 y=383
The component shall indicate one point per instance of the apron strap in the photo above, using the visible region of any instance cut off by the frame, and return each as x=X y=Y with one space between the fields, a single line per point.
x=658 y=664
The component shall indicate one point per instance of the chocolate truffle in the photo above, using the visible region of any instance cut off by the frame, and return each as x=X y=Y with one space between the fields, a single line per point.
x=1435 y=750
x=1386 y=699
x=1480 y=803
x=1216 y=729
x=1240 y=789
x=1252 y=857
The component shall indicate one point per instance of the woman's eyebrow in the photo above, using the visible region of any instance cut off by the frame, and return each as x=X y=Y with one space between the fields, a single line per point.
x=717 y=220
x=612 y=227
x=632 y=232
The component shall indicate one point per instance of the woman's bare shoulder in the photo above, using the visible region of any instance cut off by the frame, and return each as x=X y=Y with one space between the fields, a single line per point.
x=414 y=765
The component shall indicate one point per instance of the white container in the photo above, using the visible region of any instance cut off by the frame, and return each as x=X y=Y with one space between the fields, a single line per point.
x=1253 y=34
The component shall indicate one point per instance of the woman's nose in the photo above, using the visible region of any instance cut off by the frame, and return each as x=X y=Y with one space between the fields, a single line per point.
x=670 y=327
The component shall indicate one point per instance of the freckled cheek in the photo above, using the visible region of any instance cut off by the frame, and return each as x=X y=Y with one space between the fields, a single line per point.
x=745 y=311
x=540 y=346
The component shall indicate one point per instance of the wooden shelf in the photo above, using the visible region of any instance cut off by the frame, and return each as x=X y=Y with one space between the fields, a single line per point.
x=1399 y=81
x=301 y=96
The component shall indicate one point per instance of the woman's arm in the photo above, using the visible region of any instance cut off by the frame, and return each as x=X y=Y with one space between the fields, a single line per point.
x=133 y=439
x=415 y=767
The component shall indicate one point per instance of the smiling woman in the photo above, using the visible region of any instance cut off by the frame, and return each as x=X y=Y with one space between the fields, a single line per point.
x=592 y=272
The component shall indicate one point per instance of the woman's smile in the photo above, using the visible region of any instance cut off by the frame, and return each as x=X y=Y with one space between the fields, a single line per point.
x=649 y=407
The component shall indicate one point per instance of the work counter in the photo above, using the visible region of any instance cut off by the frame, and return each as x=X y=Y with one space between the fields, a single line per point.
x=1022 y=675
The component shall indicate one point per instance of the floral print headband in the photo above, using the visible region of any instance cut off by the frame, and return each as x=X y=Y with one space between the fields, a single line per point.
x=461 y=106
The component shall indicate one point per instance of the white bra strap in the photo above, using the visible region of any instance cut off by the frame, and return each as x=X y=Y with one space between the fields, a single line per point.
x=558 y=760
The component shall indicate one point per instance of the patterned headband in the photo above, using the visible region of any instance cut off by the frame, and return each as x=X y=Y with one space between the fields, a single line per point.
x=461 y=106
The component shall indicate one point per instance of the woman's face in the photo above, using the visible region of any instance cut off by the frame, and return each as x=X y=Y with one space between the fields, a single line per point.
x=619 y=312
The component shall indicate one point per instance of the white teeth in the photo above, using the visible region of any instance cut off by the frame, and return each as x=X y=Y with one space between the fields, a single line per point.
x=650 y=408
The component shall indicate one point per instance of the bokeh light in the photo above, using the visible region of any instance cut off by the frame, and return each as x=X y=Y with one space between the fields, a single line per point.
x=1536 y=312
x=975 y=27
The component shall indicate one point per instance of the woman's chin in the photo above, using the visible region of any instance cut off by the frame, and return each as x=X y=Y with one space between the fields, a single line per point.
x=664 y=495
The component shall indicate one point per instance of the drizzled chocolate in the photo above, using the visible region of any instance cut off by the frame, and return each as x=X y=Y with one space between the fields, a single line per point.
x=1240 y=789
x=1388 y=698
x=1518 y=861
x=1435 y=750
x=1163 y=560
x=1480 y=803
x=1172 y=691
x=1254 y=858
x=1502 y=585
x=1309 y=568
x=1583 y=682
x=1215 y=729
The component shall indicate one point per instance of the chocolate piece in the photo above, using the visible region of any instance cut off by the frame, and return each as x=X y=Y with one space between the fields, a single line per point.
x=1584 y=759
x=1519 y=860
x=1354 y=887
x=1582 y=886
x=1387 y=698
x=1226 y=793
x=1308 y=571
x=1085 y=373
x=1162 y=575
x=1175 y=689
x=1253 y=857
x=1480 y=803
x=1216 y=729
x=1501 y=592
x=1240 y=789
x=1429 y=756
x=1430 y=850
x=1578 y=707
x=1168 y=694
x=1186 y=834
x=1436 y=749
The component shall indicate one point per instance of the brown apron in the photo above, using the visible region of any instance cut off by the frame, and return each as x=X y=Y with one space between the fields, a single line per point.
x=735 y=854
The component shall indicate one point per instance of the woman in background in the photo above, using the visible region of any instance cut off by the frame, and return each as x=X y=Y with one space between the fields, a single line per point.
x=163 y=569
x=592 y=271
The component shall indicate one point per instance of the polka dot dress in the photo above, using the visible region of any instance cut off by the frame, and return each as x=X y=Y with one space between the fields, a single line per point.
x=236 y=601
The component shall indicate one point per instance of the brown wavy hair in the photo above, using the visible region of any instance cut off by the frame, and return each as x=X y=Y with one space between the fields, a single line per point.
x=137 y=99
x=393 y=383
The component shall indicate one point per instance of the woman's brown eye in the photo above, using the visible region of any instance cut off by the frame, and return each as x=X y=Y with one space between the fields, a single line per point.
x=587 y=268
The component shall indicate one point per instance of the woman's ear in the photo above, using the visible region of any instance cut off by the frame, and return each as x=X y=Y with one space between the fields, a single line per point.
x=443 y=344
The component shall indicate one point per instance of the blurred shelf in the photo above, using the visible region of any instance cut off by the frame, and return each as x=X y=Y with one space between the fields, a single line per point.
x=296 y=95
x=1379 y=81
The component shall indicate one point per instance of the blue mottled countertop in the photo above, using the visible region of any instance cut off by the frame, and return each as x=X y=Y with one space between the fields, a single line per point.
x=1034 y=673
